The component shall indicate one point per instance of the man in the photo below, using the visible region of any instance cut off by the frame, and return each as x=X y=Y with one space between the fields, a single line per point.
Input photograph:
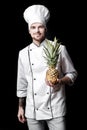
x=40 y=100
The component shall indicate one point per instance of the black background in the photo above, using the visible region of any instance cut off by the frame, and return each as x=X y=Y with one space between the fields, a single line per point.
x=67 y=23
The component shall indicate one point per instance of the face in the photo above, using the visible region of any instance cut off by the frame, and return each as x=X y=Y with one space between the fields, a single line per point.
x=37 y=32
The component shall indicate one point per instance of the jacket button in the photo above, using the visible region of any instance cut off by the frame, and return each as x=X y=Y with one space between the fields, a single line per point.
x=35 y=94
x=34 y=78
x=30 y=49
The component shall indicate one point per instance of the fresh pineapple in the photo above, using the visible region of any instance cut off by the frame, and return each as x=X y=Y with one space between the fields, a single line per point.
x=51 y=50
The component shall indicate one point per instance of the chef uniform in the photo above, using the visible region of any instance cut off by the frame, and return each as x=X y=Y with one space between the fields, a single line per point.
x=42 y=101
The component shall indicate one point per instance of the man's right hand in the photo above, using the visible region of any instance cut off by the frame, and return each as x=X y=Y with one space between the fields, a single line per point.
x=20 y=115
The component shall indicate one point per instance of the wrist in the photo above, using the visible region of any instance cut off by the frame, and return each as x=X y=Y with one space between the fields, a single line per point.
x=22 y=102
x=65 y=80
x=60 y=81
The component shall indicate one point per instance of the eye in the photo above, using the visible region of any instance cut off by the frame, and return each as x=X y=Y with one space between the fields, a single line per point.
x=32 y=27
x=41 y=27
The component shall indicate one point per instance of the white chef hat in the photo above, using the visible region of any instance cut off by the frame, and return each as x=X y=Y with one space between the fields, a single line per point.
x=36 y=13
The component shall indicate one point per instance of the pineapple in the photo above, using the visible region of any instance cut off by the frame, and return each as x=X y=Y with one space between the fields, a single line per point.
x=51 y=50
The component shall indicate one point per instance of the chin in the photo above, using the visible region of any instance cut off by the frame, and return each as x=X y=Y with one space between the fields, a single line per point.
x=39 y=39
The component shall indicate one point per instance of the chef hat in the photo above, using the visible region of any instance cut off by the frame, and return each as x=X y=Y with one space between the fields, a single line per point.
x=36 y=13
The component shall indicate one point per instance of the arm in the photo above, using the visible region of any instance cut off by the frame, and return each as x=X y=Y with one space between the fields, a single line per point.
x=21 y=79
x=67 y=69
x=21 y=90
x=65 y=80
x=21 y=110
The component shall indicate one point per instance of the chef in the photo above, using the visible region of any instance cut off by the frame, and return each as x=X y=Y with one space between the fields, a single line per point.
x=39 y=101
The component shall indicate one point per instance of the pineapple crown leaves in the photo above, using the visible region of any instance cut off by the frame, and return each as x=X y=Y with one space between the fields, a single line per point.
x=51 y=50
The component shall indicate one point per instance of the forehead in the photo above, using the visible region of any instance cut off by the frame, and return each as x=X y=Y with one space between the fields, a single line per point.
x=37 y=24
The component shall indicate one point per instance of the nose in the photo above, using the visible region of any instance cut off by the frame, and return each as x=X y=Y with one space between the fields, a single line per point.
x=37 y=29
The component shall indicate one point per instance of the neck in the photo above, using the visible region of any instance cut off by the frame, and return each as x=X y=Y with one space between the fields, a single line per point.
x=37 y=43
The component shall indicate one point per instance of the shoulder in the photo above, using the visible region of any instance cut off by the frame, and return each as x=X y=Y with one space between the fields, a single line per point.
x=23 y=52
x=62 y=47
x=25 y=49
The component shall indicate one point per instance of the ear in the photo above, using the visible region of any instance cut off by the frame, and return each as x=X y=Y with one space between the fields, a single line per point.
x=46 y=29
x=29 y=31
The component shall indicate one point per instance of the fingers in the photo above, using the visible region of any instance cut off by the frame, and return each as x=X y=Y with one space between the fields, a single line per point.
x=21 y=118
x=50 y=84
x=53 y=85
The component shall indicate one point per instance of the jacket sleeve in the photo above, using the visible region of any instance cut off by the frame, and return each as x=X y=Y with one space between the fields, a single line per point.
x=68 y=68
x=21 y=79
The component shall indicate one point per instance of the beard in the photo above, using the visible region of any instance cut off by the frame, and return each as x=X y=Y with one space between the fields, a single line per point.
x=39 y=38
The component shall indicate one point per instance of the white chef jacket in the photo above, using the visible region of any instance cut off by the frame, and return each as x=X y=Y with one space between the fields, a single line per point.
x=42 y=101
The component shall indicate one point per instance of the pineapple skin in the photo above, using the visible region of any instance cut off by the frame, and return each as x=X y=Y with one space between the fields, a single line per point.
x=52 y=55
x=52 y=75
